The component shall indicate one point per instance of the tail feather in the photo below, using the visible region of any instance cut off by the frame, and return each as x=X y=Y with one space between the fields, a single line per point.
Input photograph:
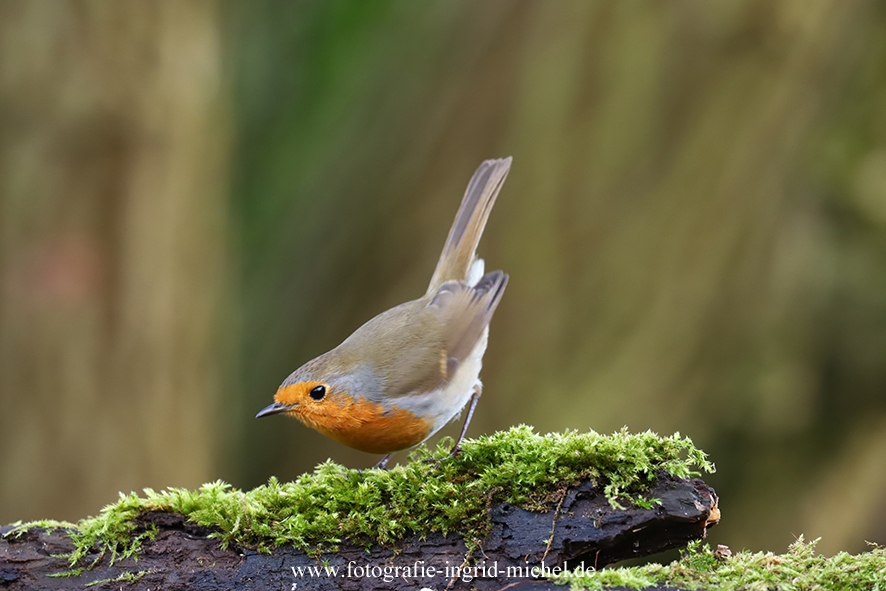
x=464 y=236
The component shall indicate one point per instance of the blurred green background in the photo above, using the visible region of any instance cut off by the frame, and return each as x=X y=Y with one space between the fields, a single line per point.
x=196 y=198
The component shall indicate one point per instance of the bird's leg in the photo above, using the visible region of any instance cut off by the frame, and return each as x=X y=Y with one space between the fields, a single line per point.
x=382 y=463
x=475 y=397
x=456 y=449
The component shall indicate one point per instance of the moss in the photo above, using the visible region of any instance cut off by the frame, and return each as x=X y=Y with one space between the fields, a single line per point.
x=801 y=569
x=123 y=578
x=44 y=524
x=317 y=511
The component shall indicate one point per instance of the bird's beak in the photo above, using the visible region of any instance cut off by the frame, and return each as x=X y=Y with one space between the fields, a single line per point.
x=272 y=409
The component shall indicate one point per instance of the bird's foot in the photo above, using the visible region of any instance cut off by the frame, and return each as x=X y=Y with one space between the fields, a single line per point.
x=453 y=453
x=383 y=463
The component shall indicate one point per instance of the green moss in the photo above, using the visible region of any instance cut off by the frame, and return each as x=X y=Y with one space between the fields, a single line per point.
x=801 y=569
x=19 y=527
x=318 y=510
x=123 y=578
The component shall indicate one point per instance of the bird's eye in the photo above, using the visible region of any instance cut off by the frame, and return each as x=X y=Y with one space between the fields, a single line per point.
x=318 y=393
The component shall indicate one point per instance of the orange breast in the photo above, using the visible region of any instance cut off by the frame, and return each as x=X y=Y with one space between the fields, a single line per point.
x=364 y=425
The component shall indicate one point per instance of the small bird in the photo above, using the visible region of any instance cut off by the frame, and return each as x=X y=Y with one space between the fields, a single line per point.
x=402 y=376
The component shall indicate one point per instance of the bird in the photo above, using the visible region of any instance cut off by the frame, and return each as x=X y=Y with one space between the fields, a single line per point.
x=406 y=373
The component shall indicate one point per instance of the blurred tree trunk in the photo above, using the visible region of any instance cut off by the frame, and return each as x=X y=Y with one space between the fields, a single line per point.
x=113 y=145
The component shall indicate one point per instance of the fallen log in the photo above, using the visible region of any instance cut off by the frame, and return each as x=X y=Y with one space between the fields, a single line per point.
x=514 y=508
x=519 y=549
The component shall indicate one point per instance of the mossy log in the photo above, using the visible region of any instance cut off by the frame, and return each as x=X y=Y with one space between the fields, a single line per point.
x=520 y=549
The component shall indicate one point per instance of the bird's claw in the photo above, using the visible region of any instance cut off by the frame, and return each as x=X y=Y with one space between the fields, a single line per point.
x=453 y=453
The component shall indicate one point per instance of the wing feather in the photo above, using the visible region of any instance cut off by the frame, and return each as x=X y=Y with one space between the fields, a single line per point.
x=466 y=311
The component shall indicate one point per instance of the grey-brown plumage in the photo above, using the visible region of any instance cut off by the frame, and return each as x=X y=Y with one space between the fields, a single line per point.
x=420 y=359
x=423 y=342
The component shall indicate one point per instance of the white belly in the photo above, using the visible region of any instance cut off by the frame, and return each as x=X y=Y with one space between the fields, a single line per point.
x=444 y=404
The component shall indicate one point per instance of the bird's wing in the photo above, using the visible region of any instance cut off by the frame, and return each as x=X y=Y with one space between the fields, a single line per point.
x=465 y=312
x=418 y=346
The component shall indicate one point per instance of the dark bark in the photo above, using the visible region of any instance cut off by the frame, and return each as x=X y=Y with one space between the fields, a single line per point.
x=586 y=529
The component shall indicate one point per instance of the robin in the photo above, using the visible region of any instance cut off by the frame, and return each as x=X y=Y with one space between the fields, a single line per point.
x=402 y=376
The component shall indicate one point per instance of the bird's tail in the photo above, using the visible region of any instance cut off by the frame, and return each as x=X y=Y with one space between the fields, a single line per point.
x=461 y=245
